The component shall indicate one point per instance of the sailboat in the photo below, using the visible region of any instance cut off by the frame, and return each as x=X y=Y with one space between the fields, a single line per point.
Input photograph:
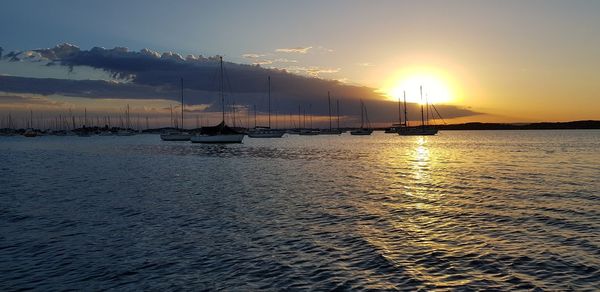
x=395 y=127
x=308 y=131
x=127 y=131
x=363 y=115
x=423 y=130
x=221 y=133
x=331 y=131
x=177 y=135
x=30 y=132
x=266 y=132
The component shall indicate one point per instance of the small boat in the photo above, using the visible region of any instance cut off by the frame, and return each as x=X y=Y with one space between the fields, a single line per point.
x=361 y=132
x=363 y=116
x=30 y=133
x=423 y=130
x=330 y=132
x=418 y=131
x=309 y=132
x=221 y=133
x=391 y=130
x=265 y=132
x=125 y=133
x=83 y=132
x=177 y=135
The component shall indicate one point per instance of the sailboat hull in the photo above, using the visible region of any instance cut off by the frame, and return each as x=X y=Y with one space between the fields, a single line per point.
x=308 y=133
x=218 y=139
x=361 y=132
x=266 y=134
x=175 y=137
x=417 y=131
x=330 y=132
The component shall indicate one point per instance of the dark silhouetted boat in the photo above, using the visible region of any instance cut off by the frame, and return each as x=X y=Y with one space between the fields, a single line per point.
x=266 y=132
x=331 y=130
x=363 y=131
x=177 y=135
x=221 y=133
x=423 y=130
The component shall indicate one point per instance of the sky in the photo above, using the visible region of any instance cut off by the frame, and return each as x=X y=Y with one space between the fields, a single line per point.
x=490 y=61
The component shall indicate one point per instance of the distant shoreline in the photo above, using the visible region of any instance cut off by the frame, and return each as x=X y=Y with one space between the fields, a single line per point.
x=573 y=125
x=479 y=126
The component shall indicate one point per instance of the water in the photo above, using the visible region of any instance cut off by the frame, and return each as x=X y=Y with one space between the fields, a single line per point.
x=499 y=210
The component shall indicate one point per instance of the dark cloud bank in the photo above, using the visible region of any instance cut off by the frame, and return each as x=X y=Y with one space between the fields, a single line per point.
x=150 y=75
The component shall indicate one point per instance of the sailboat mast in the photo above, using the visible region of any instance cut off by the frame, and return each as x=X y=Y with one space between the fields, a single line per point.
x=221 y=90
x=422 y=116
x=310 y=117
x=181 y=103
x=337 y=101
x=254 y=116
x=304 y=114
x=405 y=111
x=329 y=104
x=269 y=78
x=171 y=122
x=427 y=108
x=362 y=115
x=399 y=113
x=233 y=111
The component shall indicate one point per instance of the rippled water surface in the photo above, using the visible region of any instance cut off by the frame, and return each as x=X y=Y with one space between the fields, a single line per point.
x=489 y=209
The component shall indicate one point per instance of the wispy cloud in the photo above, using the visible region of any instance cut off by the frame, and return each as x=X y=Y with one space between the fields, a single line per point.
x=284 y=60
x=25 y=100
x=324 y=49
x=365 y=64
x=252 y=56
x=262 y=62
x=313 y=71
x=297 y=50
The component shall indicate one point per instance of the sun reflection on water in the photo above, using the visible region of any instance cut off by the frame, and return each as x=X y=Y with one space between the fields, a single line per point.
x=420 y=159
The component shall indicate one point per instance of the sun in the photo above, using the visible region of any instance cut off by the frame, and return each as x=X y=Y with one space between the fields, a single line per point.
x=435 y=89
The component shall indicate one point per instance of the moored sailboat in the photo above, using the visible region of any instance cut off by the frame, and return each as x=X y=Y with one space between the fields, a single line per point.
x=221 y=133
x=363 y=115
x=423 y=130
x=265 y=132
x=177 y=135
x=330 y=131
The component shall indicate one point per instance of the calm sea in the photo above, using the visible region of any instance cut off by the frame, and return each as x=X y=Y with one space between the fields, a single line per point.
x=498 y=210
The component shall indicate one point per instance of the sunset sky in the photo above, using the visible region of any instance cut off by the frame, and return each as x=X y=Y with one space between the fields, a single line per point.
x=490 y=61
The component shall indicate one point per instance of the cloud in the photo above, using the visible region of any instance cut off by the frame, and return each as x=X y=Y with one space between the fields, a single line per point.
x=147 y=75
x=252 y=56
x=262 y=62
x=11 y=99
x=284 y=60
x=365 y=64
x=314 y=71
x=297 y=50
